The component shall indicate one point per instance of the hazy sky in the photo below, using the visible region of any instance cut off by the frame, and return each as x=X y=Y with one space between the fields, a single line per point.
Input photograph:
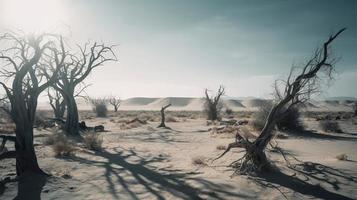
x=178 y=48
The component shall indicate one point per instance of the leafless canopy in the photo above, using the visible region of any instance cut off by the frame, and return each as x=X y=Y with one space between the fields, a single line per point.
x=115 y=102
x=77 y=68
x=300 y=85
x=30 y=64
x=212 y=104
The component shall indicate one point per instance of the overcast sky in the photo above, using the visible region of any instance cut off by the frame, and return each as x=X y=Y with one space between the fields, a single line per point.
x=178 y=48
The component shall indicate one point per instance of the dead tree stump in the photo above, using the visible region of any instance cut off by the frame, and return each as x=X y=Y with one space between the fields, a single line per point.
x=163 y=125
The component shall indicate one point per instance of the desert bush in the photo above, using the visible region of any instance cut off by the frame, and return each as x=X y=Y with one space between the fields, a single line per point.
x=289 y=122
x=259 y=117
x=100 y=106
x=221 y=147
x=330 y=126
x=199 y=161
x=342 y=157
x=51 y=139
x=62 y=146
x=93 y=141
x=229 y=111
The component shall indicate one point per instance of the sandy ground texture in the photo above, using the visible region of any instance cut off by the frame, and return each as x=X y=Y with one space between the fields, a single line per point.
x=144 y=162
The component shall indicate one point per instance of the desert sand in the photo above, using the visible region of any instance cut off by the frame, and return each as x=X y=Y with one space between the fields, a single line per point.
x=145 y=162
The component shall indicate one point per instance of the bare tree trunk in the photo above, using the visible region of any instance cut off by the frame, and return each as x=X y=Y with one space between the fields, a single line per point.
x=26 y=159
x=163 y=125
x=298 y=88
x=72 y=119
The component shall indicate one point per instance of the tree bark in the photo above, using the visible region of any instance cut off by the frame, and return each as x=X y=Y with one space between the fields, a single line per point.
x=72 y=119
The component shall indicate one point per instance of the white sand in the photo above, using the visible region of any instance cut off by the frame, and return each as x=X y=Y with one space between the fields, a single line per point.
x=151 y=163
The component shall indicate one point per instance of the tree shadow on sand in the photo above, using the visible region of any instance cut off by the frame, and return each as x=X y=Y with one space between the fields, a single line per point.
x=316 y=135
x=306 y=178
x=154 y=180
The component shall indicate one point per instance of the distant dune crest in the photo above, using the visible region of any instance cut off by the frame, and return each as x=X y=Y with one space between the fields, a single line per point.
x=196 y=104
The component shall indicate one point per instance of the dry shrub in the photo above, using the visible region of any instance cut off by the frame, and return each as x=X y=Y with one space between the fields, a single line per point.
x=62 y=146
x=290 y=122
x=212 y=123
x=330 y=126
x=259 y=117
x=224 y=130
x=100 y=106
x=342 y=157
x=148 y=117
x=125 y=126
x=229 y=111
x=221 y=147
x=51 y=139
x=93 y=141
x=199 y=161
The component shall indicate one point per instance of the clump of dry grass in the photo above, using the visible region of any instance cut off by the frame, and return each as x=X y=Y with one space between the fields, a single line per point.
x=148 y=117
x=93 y=141
x=125 y=126
x=330 y=126
x=229 y=129
x=221 y=147
x=62 y=146
x=342 y=157
x=50 y=139
x=199 y=161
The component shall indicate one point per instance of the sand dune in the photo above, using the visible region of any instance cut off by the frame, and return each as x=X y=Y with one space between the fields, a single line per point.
x=196 y=104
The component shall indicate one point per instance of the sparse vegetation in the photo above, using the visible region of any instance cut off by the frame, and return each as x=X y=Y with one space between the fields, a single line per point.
x=213 y=104
x=342 y=157
x=199 y=160
x=259 y=118
x=330 y=126
x=290 y=121
x=221 y=147
x=229 y=111
x=93 y=141
x=62 y=147
x=100 y=106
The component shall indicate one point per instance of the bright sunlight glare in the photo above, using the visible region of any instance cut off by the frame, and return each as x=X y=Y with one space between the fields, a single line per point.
x=33 y=15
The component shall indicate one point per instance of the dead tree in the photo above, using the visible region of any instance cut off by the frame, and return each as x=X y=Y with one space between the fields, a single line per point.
x=76 y=70
x=301 y=83
x=57 y=103
x=26 y=59
x=115 y=102
x=213 y=105
x=163 y=125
